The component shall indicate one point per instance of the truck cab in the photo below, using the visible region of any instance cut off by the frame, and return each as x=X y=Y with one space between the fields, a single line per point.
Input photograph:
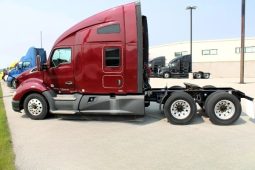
x=97 y=66
x=26 y=62
x=156 y=64
x=180 y=67
x=177 y=67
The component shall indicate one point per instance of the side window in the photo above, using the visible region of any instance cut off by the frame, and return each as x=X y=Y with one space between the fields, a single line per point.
x=61 y=56
x=109 y=29
x=112 y=57
x=26 y=64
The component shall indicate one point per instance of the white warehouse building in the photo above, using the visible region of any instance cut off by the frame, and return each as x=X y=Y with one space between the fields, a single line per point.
x=219 y=57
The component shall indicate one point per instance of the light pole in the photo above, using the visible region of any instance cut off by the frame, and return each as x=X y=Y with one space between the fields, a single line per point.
x=242 y=43
x=191 y=8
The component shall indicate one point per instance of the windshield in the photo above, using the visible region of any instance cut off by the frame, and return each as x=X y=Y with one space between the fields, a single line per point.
x=19 y=65
x=173 y=62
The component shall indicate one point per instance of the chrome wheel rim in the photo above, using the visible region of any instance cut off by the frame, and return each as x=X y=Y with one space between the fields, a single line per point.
x=199 y=76
x=14 y=84
x=224 y=109
x=167 y=75
x=180 y=109
x=35 y=107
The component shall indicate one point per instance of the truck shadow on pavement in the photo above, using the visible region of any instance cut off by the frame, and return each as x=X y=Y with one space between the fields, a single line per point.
x=136 y=120
x=152 y=115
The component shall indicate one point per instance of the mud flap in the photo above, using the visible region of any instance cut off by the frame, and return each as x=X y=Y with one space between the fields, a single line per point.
x=250 y=109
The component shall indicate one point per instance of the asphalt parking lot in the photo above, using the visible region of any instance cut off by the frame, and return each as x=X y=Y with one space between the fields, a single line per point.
x=147 y=143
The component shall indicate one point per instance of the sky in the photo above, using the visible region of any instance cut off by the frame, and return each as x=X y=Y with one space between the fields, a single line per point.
x=168 y=21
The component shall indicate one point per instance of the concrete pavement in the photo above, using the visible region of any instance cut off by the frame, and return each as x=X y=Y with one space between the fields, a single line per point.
x=128 y=143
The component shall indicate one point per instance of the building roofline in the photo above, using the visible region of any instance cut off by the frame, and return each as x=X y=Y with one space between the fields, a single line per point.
x=201 y=41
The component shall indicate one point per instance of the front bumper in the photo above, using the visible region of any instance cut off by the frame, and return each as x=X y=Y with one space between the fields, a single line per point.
x=16 y=105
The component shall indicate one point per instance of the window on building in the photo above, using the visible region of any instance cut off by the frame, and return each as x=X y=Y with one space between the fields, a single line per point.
x=210 y=52
x=238 y=50
x=61 y=56
x=179 y=54
x=250 y=49
x=112 y=57
x=109 y=29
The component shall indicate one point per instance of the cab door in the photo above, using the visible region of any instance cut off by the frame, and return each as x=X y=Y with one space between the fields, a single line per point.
x=60 y=75
x=113 y=79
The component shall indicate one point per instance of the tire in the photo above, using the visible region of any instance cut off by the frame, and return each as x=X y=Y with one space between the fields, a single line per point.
x=174 y=106
x=198 y=76
x=14 y=84
x=35 y=106
x=166 y=75
x=223 y=108
x=208 y=99
x=206 y=75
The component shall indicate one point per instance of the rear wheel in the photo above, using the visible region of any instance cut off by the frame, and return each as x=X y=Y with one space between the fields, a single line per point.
x=166 y=75
x=35 y=106
x=198 y=76
x=223 y=108
x=180 y=108
x=206 y=76
x=204 y=113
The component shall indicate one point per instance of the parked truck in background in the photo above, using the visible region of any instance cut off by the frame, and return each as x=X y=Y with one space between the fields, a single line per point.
x=100 y=66
x=26 y=62
x=179 y=67
x=155 y=65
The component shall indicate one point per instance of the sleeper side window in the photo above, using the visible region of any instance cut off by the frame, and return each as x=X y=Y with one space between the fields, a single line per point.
x=109 y=29
x=112 y=57
x=61 y=56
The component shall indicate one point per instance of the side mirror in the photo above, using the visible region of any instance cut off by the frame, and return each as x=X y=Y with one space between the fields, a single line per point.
x=38 y=63
x=45 y=66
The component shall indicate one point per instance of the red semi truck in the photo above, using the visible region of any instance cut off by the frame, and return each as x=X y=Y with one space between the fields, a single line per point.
x=100 y=66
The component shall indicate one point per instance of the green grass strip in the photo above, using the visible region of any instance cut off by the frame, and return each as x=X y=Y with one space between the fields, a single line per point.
x=6 y=151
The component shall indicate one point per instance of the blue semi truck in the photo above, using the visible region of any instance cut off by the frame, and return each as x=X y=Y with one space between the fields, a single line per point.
x=26 y=62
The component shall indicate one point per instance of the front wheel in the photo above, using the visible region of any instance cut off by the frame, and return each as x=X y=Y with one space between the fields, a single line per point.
x=223 y=108
x=14 y=85
x=180 y=108
x=166 y=75
x=35 y=106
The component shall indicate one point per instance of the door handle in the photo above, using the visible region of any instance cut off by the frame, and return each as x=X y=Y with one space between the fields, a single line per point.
x=119 y=82
x=68 y=83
